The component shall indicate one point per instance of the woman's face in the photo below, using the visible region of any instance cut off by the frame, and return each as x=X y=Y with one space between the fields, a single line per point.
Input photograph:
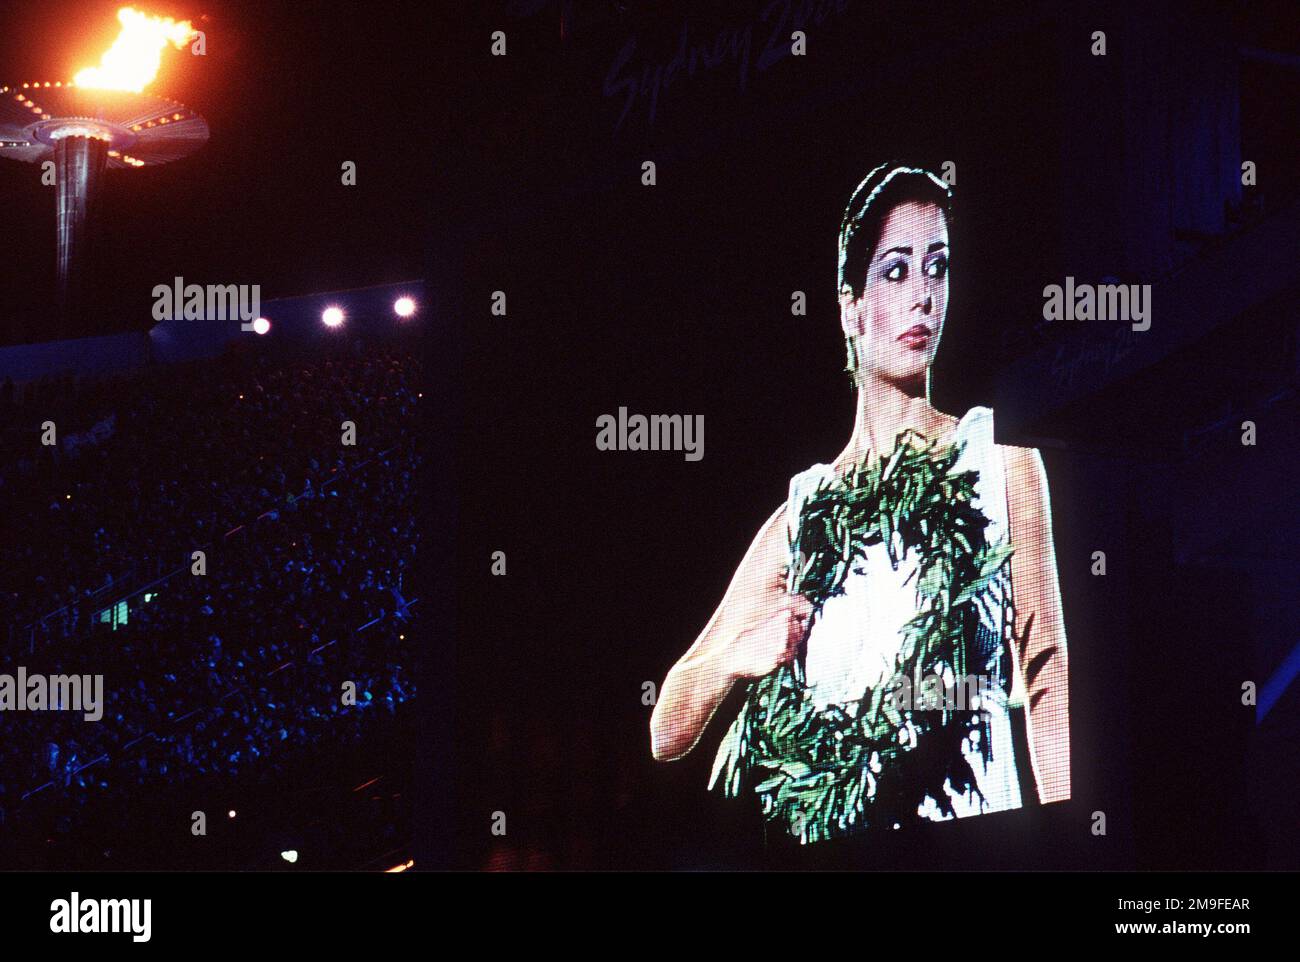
x=899 y=317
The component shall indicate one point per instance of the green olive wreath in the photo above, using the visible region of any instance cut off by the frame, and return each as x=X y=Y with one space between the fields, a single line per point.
x=820 y=773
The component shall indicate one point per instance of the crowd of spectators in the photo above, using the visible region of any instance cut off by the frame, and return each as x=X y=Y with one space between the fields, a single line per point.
x=308 y=550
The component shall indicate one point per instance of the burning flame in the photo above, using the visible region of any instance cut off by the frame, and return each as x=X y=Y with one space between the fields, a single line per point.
x=136 y=54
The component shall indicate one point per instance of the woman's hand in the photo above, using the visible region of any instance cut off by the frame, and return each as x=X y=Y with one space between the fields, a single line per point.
x=758 y=626
x=772 y=640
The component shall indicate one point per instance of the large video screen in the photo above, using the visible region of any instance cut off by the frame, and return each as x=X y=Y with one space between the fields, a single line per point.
x=896 y=624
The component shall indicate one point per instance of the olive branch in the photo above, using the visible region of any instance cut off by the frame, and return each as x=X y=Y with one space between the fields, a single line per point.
x=822 y=772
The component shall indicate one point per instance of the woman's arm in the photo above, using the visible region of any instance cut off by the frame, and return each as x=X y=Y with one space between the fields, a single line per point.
x=1036 y=594
x=757 y=626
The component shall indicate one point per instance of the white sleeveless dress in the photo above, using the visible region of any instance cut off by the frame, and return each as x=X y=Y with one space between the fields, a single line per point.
x=854 y=641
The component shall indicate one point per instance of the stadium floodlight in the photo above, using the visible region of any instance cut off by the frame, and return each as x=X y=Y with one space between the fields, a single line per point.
x=332 y=316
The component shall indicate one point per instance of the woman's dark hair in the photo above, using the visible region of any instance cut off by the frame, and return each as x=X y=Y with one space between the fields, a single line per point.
x=880 y=192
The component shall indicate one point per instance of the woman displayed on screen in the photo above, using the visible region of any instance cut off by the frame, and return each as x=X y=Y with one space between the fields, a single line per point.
x=827 y=654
